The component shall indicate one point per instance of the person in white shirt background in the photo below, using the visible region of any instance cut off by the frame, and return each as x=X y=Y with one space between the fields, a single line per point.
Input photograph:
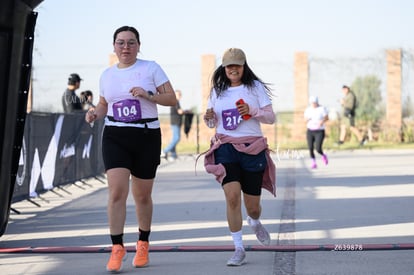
x=315 y=117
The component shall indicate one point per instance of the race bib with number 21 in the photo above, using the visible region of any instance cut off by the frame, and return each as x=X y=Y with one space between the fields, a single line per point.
x=231 y=119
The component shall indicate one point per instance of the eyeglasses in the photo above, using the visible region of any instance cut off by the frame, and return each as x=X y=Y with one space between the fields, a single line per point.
x=122 y=43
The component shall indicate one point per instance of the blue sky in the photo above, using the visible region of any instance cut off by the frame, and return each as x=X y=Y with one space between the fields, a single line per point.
x=76 y=36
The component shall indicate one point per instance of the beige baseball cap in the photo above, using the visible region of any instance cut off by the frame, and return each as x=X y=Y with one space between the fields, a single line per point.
x=233 y=56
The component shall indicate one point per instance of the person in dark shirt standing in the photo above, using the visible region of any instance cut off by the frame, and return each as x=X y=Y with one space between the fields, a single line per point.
x=176 y=120
x=349 y=103
x=70 y=101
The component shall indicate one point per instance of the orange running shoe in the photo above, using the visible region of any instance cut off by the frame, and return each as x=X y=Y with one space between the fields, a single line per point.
x=118 y=255
x=141 y=256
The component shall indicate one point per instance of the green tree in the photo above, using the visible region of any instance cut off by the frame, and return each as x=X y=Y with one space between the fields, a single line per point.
x=370 y=108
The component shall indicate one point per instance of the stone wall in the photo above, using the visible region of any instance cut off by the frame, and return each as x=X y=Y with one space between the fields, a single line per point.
x=393 y=121
x=301 y=81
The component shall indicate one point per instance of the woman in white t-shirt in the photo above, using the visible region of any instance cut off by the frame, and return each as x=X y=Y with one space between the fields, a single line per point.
x=131 y=142
x=315 y=117
x=239 y=156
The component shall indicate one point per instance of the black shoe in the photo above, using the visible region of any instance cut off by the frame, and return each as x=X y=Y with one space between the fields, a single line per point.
x=362 y=143
x=339 y=142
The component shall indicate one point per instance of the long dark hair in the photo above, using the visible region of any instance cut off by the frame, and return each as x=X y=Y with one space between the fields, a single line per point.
x=220 y=81
x=127 y=28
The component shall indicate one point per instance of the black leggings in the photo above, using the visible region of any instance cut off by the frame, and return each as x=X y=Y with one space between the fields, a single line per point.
x=315 y=137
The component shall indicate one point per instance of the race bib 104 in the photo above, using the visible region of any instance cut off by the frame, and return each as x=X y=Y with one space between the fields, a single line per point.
x=127 y=110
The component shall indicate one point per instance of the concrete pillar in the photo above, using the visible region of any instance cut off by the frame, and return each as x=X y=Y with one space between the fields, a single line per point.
x=394 y=108
x=301 y=86
x=208 y=65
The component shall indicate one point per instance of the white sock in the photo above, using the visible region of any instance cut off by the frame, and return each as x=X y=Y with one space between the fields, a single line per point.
x=254 y=222
x=237 y=239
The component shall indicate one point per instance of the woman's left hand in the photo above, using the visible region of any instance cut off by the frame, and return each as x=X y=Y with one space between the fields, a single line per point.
x=243 y=109
x=138 y=92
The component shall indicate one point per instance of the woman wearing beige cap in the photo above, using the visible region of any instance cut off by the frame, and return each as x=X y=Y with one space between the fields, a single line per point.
x=239 y=155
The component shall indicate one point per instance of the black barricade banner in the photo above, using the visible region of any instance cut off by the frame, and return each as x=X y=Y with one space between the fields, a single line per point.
x=21 y=187
x=58 y=149
x=89 y=153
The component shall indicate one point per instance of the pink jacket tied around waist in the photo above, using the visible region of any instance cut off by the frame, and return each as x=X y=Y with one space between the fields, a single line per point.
x=257 y=144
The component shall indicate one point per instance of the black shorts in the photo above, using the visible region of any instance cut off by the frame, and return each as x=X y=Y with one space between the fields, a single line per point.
x=244 y=168
x=137 y=149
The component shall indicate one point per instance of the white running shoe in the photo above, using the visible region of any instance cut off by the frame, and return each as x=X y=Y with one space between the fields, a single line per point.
x=261 y=233
x=238 y=257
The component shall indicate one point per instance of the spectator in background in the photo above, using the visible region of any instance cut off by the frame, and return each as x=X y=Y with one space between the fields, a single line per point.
x=349 y=104
x=315 y=117
x=176 y=121
x=86 y=98
x=70 y=101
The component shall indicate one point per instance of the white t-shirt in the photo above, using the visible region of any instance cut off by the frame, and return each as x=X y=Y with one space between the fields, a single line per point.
x=115 y=84
x=229 y=120
x=314 y=117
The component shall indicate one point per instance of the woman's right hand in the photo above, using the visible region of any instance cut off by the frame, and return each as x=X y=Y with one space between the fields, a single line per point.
x=210 y=118
x=90 y=115
x=209 y=114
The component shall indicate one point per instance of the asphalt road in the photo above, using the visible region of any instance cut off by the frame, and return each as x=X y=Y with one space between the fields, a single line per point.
x=354 y=216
